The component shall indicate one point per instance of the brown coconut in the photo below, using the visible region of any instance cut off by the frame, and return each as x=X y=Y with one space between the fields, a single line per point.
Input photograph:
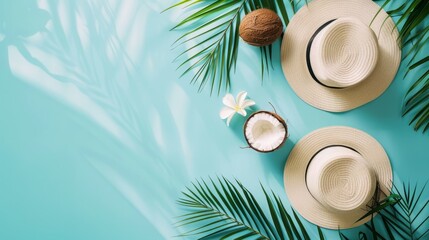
x=261 y=27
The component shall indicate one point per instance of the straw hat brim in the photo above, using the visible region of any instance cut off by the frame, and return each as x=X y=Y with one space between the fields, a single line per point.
x=300 y=157
x=302 y=27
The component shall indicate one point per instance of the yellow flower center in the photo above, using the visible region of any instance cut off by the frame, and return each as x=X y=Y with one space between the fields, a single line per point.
x=237 y=108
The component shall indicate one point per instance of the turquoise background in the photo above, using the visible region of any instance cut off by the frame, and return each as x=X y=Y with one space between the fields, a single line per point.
x=98 y=135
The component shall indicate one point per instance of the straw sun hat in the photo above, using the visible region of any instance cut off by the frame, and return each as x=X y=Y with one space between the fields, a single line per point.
x=336 y=56
x=332 y=174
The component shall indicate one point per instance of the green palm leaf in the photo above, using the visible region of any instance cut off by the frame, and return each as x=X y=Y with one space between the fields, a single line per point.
x=213 y=25
x=221 y=209
x=413 y=26
x=417 y=100
x=403 y=214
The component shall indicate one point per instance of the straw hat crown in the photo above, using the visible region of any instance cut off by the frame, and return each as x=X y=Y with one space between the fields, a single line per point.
x=344 y=53
x=340 y=179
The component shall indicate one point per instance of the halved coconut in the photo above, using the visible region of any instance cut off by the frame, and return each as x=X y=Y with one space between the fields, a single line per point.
x=265 y=131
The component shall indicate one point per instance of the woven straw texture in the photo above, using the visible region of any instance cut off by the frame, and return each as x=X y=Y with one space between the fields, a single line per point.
x=346 y=50
x=340 y=214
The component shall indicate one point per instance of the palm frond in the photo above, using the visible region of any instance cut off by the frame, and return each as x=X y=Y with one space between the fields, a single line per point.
x=403 y=214
x=413 y=32
x=390 y=200
x=223 y=209
x=213 y=26
x=417 y=98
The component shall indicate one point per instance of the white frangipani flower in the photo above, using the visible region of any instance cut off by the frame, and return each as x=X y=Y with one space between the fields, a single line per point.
x=233 y=106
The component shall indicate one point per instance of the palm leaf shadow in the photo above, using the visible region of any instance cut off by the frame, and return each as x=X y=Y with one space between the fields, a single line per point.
x=81 y=50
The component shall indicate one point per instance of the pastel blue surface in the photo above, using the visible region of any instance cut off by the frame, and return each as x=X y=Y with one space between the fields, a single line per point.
x=98 y=135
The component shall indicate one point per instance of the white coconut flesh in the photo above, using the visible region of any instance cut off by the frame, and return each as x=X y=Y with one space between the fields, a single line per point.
x=265 y=132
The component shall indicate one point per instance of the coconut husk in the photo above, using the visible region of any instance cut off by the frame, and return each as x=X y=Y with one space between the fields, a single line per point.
x=261 y=27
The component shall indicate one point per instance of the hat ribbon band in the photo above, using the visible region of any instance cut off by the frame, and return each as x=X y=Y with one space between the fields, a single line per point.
x=306 y=170
x=307 y=55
